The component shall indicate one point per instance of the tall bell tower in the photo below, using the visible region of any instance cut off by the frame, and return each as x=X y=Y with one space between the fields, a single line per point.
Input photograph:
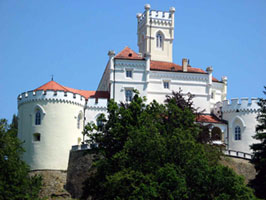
x=156 y=33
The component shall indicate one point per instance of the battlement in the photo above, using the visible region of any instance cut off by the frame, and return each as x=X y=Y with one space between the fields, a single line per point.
x=60 y=96
x=240 y=105
x=165 y=17
x=97 y=103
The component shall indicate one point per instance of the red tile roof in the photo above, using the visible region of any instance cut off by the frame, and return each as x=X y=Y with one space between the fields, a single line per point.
x=52 y=85
x=129 y=54
x=215 y=79
x=168 y=66
x=207 y=118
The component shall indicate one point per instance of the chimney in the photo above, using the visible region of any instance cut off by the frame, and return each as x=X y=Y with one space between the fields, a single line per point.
x=184 y=64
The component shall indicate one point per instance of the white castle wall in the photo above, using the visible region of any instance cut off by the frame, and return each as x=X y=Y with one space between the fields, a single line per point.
x=243 y=114
x=196 y=84
x=94 y=108
x=122 y=83
x=59 y=127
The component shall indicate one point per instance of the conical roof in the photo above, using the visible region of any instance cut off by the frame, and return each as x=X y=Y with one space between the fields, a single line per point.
x=52 y=85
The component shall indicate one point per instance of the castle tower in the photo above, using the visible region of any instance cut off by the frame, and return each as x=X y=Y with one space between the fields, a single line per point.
x=156 y=33
x=51 y=120
x=241 y=117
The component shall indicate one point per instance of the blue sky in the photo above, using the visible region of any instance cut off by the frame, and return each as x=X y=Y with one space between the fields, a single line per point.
x=70 y=39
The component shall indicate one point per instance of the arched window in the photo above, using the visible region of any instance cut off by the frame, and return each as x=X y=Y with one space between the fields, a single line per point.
x=38 y=117
x=216 y=134
x=159 y=40
x=237 y=133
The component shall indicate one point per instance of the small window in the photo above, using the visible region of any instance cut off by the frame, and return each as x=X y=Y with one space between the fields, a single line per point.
x=166 y=84
x=129 y=73
x=129 y=95
x=36 y=137
x=237 y=133
x=79 y=120
x=99 y=124
x=212 y=95
x=38 y=117
x=159 y=40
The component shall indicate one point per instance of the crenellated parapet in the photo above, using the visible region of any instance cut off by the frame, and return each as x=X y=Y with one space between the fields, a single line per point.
x=156 y=17
x=51 y=96
x=97 y=104
x=240 y=105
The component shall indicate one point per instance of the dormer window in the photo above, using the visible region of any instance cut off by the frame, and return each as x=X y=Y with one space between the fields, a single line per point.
x=159 y=40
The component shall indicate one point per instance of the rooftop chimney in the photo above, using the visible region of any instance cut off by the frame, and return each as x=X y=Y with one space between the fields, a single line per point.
x=184 y=64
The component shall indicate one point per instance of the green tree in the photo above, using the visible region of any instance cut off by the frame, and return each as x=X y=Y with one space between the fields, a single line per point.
x=259 y=149
x=15 y=182
x=150 y=151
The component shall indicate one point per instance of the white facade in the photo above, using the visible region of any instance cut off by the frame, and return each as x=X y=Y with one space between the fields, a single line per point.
x=47 y=143
x=52 y=120
x=241 y=117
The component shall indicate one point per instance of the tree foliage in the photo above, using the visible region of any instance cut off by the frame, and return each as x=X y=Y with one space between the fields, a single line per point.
x=150 y=151
x=259 y=149
x=15 y=182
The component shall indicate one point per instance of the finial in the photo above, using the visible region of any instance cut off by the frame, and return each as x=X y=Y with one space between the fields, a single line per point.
x=147 y=7
x=52 y=77
x=172 y=9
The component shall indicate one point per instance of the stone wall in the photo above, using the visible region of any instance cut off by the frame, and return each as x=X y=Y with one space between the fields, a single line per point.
x=78 y=170
x=67 y=185
x=53 y=184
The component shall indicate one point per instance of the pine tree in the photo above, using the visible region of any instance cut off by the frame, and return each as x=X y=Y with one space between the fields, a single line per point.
x=259 y=149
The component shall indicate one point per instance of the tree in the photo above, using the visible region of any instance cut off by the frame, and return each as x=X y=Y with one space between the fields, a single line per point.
x=150 y=151
x=259 y=149
x=15 y=182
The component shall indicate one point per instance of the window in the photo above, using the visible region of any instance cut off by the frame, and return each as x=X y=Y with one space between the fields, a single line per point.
x=36 y=137
x=129 y=73
x=129 y=95
x=212 y=95
x=38 y=117
x=166 y=84
x=159 y=40
x=99 y=124
x=237 y=133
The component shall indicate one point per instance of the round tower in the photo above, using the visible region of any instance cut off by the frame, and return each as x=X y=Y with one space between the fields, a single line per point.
x=241 y=116
x=50 y=122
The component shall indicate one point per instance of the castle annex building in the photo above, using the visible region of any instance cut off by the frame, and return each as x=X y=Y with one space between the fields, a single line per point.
x=52 y=116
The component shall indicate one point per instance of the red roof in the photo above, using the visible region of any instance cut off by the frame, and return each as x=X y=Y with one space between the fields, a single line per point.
x=168 y=66
x=128 y=53
x=52 y=85
x=207 y=118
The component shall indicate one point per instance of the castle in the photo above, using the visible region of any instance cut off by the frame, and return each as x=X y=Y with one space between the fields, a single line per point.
x=52 y=116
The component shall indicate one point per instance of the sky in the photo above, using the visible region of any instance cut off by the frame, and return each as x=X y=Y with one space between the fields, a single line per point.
x=70 y=39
